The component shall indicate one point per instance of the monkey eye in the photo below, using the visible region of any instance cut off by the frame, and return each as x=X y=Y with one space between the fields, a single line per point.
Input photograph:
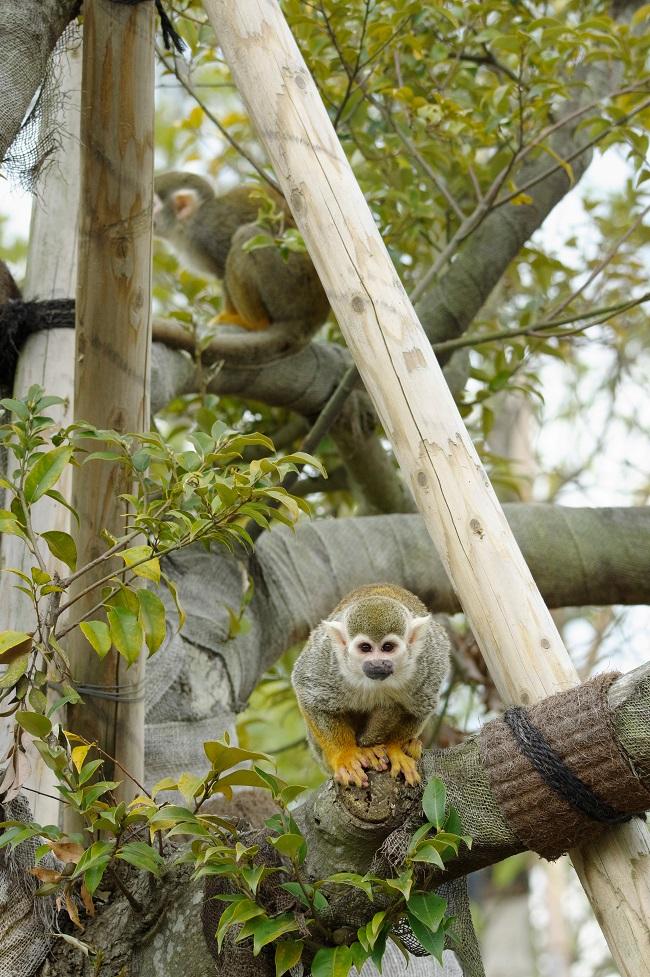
x=365 y=647
x=387 y=646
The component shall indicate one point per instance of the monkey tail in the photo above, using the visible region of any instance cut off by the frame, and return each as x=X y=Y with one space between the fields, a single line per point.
x=239 y=347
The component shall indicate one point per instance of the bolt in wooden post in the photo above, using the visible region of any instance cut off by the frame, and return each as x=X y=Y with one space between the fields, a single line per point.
x=113 y=331
x=518 y=638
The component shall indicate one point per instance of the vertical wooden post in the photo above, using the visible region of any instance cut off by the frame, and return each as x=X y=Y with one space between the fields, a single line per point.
x=113 y=330
x=518 y=638
x=48 y=359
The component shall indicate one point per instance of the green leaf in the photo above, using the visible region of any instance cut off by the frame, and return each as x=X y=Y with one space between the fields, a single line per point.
x=9 y=524
x=53 y=494
x=359 y=955
x=34 y=723
x=291 y=845
x=167 y=783
x=16 y=407
x=265 y=930
x=351 y=878
x=222 y=756
x=143 y=856
x=434 y=799
x=46 y=472
x=446 y=840
x=433 y=942
x=332 y=961
x=287 y=955
x=95 y=791
x=256 y=242
x=237 y=912
x=428 y=907
x=126 y=633
x=152 y=615
x=62 y=546
x=453 y=823
x=171 y=587
x=150 y=570
x=428 y=853
x=97 y=856
x=189 y=785
x=296 y=890
x=403 y=883
x=252 y=876
x=13 y=645
x=98 y=634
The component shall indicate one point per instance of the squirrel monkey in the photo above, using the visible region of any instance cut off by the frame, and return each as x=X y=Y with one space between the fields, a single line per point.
x=367 y=681
x=280 y=303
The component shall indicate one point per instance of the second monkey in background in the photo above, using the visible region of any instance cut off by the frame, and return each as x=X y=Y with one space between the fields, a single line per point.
x=280 y=303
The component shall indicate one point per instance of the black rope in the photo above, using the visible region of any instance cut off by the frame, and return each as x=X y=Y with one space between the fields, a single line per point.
x=555 y=773
x=171 y=37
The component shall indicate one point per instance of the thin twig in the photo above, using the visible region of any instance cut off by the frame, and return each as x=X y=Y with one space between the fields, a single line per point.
x=601 y=264
x=574 y=155
x=479 y=340
x=320 y=428
x=222 y=129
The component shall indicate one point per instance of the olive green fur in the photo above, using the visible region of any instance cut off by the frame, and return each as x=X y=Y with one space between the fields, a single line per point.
x=328 y=699
x=276 y=303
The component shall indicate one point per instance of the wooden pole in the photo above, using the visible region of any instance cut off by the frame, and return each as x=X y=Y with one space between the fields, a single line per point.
x=518 y=638
x=48 y=359
x=113 y=331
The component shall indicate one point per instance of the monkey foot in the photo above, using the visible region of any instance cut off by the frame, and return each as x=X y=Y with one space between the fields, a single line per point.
x=349 y=765
x=402 y=763
x=413 y=748
x=374 y=757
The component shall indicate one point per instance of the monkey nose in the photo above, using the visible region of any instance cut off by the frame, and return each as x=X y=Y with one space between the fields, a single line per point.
x=379 y=669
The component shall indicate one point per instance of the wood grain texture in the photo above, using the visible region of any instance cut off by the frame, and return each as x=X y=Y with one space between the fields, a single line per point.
x=48 y=360
x=517 y=635
x=113 y=332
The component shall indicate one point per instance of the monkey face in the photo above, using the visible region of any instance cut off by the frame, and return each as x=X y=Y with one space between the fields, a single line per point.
x=377 y=660
x=371 y=660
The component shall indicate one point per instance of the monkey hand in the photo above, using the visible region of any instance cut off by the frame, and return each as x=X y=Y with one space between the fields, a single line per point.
x=350 y=763
x=403 y=759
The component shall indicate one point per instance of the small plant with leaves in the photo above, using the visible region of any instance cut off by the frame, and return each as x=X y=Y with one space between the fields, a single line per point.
x=204 y=493
x=260 y=874
x=280 y=233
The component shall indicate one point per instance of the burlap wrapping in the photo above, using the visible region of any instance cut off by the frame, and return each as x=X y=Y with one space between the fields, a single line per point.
x=577 y=725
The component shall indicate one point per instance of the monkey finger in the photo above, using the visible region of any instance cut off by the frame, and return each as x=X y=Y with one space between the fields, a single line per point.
x=374 y=758
x=351 y=773
x=400 y=763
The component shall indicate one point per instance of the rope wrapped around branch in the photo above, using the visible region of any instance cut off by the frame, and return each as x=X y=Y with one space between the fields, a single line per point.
x=558 y=771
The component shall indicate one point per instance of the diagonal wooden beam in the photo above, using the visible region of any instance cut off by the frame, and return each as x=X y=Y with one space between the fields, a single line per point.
x=518 y=638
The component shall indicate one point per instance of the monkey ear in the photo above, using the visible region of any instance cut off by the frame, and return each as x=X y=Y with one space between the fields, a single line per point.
x=337 y=632
x=416 y=628
x=184 y=203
